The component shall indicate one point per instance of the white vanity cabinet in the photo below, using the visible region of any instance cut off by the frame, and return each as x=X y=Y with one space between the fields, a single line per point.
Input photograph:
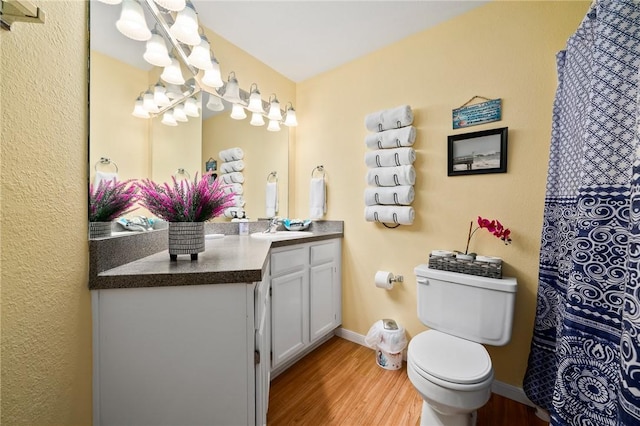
x=306 y=297
x=184 y=355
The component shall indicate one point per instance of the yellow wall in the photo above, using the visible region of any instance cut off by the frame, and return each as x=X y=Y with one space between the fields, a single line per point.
x=500 y=50
x=46 y=309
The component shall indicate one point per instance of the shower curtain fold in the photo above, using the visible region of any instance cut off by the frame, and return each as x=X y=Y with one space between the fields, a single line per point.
x=584 y=362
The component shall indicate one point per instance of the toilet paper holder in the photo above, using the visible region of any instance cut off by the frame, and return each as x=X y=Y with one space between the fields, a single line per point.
x=397 y=279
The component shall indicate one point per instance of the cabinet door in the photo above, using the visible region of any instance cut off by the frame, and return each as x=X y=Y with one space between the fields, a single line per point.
x=322 y=309
x=289 y=315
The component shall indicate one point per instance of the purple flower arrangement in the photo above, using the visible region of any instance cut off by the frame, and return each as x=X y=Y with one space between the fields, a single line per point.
x=111 y=199
x=185 y=201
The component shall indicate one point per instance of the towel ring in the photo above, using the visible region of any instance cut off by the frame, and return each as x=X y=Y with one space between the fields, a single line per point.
x=319 y=169
x=273 y=175
x=104 y=161
x=182 y=172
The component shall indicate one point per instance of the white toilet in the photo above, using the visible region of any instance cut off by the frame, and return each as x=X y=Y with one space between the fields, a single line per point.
x=447 y=364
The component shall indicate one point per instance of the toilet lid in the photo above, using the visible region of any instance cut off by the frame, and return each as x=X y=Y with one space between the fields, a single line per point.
x=450 y=358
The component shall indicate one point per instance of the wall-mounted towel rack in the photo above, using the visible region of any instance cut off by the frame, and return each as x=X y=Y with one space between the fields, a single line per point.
x=182 y=172
x=104 y=161
x=272 y=175
x=319 y=169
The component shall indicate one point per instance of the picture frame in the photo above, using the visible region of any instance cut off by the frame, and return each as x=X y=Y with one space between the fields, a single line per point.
x=477 y=152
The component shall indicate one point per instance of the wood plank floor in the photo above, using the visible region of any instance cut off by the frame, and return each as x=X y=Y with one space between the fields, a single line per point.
x=340 y=384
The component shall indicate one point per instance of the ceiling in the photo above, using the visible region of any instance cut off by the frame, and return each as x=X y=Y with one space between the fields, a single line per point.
x=299 y=39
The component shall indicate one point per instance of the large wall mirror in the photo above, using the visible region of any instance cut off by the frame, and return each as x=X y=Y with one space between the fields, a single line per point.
x=146 y=148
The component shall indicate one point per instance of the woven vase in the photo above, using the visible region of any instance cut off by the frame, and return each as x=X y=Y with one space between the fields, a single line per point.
x=186 y=238
x=99 y=229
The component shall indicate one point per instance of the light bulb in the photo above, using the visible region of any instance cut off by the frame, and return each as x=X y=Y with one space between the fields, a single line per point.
x=156 y=52
x=132 y=22
x=232 y=91
x=191 y=108
x=212 y=76
x=179 y=114
x=172 y=73
x=256 y=119
x=160 y=95
x=291 y=120
x=138 y=110
x=237 y=112
x=215 y=103
x=274 y=126
x=200 y=55
x=172 y=5
x=274 y=110
x=148 y=102
x=168 y=119
x=185 y=27
x=255 y=101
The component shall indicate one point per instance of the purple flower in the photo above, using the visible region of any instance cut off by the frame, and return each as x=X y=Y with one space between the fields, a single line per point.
x=111 y=199
x=185 y=201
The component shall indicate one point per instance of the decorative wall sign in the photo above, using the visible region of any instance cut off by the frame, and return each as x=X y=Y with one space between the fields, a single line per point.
x=478 y=152
x=472 y=115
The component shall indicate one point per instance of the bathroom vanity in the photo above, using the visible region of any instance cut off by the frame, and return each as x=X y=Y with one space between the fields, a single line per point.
x=191 y=342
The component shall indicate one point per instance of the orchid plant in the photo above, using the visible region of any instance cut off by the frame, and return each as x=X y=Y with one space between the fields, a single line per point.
x=493 y=226
x=185 y=201
x=111 y=199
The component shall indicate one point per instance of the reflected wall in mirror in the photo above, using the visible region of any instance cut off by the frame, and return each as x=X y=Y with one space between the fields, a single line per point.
x=145 y=148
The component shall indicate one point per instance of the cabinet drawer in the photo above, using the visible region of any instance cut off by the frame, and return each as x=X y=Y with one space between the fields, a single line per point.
x=288 y=261
x=322 y=253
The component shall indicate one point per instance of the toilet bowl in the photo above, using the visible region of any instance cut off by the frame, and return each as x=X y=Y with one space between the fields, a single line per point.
x=447 y=364
x=452 y=375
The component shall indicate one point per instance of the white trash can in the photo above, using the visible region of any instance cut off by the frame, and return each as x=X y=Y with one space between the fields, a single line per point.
x=388 y=339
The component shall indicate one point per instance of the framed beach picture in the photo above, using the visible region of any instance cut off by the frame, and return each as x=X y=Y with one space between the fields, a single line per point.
x=478 y=152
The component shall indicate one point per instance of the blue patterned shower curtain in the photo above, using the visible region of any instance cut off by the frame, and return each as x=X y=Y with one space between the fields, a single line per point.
x=584 y=364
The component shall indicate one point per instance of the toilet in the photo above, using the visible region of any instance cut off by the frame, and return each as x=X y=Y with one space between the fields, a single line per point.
x=448 y=364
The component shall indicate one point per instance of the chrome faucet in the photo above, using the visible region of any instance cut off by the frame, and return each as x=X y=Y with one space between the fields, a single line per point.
x=273 y=225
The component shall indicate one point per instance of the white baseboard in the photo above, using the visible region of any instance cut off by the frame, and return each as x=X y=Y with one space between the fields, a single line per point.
x=503 y=389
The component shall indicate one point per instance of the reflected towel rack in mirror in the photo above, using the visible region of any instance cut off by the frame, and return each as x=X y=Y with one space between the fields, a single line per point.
x=104 y=161
x=319 y=169
x=272 y=177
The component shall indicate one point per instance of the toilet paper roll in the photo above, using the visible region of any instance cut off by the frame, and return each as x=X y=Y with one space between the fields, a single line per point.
x=383 y=280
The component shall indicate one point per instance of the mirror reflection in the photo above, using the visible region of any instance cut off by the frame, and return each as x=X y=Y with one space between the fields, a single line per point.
x=147 y=148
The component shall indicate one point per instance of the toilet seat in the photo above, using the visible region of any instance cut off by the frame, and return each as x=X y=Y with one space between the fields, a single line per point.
x=450 y=361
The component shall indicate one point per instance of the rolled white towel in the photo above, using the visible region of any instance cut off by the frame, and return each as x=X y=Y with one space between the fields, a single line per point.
x=235 y=177
x=386 y=119
x=403 y=215
x=235 y=188
x=389 y=195
x=232 y=166
x=104 y=176
x=395 y=138
x=390 y=157
x=271 y=199
x=391 y=176
x=231 y=154
x=317 y=198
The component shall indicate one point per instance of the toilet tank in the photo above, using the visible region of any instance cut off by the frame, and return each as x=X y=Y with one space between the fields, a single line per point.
x=475 y=308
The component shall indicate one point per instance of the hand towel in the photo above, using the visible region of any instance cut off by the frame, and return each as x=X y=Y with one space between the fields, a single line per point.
x=403 y=215
x=390 y=195
x=235 y=188
x=271 y=196
x=386 y=119
x=395 y=138
x=235 y=177
x=390 y=157
x=231 y=154
x=104 y=176
x=232 y=166
x=317 y=198
x=391 y=176
x=238 y=201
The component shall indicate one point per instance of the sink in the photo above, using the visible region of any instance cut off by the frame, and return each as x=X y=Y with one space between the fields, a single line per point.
x=281 y=235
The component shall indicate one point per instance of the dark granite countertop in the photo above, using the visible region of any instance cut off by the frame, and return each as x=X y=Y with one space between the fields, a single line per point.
x=231 y=259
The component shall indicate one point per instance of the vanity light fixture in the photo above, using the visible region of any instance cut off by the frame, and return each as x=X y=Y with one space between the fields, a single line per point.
x=168 y=118
x=171 y=5
x=256 y=119
x=212 y=77
x=132 y=22
x=172 y=73
x=274 y=110
x=156 y=52
x=160 y=95
x=237 y=112
x=191 y=107
x=232 y=91
x=255 y=102
x=138 y=109
x=200 y=56
x=215 y=103
x=290 y=119
x=274 y=126
x=179 y=114
x=185 y=27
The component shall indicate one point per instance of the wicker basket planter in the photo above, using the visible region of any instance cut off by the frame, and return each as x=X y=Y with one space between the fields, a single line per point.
x=186 y=238
x=471 y=267
x=99 y=230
